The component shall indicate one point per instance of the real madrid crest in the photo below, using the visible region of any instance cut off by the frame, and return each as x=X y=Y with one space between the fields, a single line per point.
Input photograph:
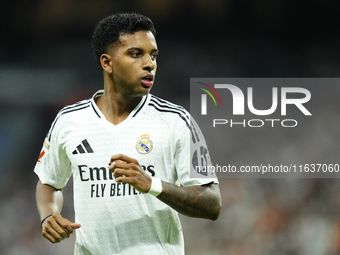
x=144 y=144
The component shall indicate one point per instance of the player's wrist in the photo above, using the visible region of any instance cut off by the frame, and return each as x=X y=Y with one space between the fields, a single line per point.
x=156 y=187
x=41 y=223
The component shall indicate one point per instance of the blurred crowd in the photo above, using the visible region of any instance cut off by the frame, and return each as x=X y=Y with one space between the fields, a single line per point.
x=46 y=63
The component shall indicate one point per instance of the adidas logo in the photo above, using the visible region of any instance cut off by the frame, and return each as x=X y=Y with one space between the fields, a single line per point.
x=81 y=149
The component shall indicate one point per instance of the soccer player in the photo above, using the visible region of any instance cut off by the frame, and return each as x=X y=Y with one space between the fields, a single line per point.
x=129 y=153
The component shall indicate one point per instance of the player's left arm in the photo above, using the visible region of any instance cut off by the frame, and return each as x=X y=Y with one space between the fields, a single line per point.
x=201 y=201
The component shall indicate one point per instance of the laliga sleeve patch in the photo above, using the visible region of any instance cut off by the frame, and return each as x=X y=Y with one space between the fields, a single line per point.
x=47 y=146
x=41 y=155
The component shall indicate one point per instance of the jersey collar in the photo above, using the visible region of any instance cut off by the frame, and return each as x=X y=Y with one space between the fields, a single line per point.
x=133 y=113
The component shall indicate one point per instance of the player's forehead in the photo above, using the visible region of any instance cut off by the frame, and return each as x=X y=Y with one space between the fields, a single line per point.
x=142 y=39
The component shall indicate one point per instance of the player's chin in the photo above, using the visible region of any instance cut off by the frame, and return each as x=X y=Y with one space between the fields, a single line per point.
x=145 y=89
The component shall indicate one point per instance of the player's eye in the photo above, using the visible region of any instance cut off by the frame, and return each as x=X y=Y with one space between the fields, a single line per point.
x=135 y=54
x=154 y=56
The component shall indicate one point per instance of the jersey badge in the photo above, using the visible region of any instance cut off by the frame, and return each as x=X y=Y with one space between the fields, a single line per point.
x=144 y=144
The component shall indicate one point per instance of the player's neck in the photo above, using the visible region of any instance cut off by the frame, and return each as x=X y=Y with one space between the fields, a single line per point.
x=115 y=107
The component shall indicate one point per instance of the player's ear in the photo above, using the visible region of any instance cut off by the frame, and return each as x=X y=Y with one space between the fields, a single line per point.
x=106 y=62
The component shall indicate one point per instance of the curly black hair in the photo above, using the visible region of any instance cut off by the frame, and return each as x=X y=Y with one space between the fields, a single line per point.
x=108 y=30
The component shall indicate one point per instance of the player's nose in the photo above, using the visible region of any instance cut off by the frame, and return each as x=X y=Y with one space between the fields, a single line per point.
x=149 y=63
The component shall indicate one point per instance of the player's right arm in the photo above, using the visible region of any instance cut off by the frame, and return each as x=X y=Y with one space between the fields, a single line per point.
x=50 y=201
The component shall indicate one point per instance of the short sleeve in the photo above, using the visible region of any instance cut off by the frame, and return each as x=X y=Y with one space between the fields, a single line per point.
x=53 y=166
x=192 y=152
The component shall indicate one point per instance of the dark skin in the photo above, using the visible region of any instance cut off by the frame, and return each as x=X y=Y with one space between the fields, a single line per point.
x=50 y=202
x=201 y=201
x=125 y=68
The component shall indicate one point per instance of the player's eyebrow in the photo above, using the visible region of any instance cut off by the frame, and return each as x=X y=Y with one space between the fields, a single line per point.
x=141 y=50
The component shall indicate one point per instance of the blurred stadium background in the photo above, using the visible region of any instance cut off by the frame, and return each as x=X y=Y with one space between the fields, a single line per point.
x=46 y=62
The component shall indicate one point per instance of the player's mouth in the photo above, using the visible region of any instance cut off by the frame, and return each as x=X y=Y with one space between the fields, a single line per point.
x=147 y=80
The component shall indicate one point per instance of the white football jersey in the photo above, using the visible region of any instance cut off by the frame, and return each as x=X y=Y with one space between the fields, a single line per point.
x=115 y=218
